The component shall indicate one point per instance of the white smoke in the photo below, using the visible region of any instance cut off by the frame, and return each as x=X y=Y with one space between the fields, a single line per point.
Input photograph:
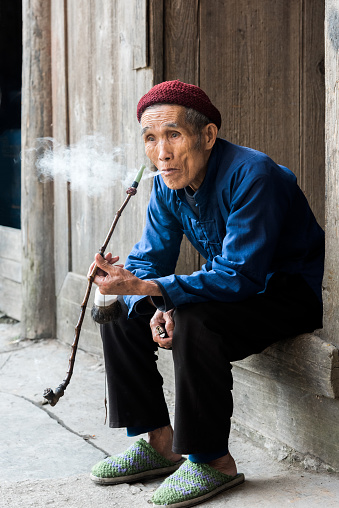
x=91 y=165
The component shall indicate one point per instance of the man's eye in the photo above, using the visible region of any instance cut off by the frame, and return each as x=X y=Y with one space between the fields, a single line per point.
x=150 y=138
x=174 y=134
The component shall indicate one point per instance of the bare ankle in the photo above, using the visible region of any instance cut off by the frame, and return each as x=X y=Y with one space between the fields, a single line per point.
x=161 y=440
x=225 y=464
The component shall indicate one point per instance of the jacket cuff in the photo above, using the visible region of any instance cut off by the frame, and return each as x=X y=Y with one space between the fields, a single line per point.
x=163 y=302
x=138 y=304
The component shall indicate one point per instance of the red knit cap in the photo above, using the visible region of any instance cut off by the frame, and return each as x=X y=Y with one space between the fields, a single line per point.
x=183 y=94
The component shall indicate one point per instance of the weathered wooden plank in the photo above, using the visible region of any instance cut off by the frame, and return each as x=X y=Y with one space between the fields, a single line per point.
x=331 y=278
x=308 y=348
x=155 y=40
x=80 y=92
x=305 y=362
x=181 y=41
x=253 y=74
x=60 y=134
x=10 y=242
x=139 y=21
x=10 y=298
x=312 y=114
x=279 y=415
x=38 y=315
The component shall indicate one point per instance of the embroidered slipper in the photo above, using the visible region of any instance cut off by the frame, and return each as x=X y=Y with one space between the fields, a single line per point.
x=139 y=462
x=192 y=484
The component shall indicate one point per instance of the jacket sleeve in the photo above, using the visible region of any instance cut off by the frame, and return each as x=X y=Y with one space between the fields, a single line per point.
x=156 y=254
x=259 y=207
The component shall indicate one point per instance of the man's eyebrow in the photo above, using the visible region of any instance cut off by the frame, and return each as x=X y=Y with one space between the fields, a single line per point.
x=173 y=125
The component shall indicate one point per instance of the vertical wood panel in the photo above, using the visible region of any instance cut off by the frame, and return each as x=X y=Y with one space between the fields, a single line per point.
x=312 y=153
x=155 y=39
x=80 y=85
x=181 y=41
x=250 y=67
x=140 y=34
x=60 y=134
x=331 y=279
x=38 y=313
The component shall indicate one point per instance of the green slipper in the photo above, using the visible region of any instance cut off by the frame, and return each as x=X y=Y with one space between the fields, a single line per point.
x=192 y=484
x=139 y=462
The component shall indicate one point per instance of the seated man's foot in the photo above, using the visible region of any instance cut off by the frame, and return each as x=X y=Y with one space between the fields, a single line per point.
x=161 y=440
x=139 y=462
x=224 y=464
x=192 y=484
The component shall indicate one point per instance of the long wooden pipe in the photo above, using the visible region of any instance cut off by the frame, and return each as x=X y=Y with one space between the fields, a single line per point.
x=53 y=396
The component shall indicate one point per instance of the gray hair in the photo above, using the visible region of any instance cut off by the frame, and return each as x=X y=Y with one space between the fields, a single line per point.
x=196 y=120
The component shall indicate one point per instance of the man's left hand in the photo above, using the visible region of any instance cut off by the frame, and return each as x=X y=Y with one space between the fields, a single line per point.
x=166 y=322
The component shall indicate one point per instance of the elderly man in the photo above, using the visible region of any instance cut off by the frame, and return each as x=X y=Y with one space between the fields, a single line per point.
x=261 y=283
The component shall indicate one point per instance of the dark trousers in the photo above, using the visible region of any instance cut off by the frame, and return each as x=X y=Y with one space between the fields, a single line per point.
x=207 y=337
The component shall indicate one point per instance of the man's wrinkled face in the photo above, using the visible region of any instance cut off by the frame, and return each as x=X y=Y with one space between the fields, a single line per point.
x=173 y=147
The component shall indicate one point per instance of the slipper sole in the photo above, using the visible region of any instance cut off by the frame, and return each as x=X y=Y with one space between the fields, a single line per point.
x=237 y=480
x=142 y=475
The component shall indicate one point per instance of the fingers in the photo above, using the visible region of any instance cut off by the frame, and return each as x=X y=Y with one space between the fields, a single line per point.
x=112 y=259
x=157 y=320
x=162 y=326
x=109 y=257
x=164 y=344
x=161 y=337
x=169 y=325
x=105 y=263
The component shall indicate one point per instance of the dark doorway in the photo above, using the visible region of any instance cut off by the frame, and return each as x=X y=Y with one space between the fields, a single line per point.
x=10 y=111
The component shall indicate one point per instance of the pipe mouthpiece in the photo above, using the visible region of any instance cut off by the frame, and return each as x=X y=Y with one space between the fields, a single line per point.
x=139 y=176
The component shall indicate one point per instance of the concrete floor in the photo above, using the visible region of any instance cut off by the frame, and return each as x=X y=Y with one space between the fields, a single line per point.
x=46 y=453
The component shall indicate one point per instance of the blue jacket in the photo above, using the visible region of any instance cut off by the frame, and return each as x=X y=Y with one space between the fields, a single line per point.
x=253 y=221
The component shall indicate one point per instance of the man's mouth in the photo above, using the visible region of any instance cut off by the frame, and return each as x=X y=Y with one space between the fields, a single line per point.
x=168 y=171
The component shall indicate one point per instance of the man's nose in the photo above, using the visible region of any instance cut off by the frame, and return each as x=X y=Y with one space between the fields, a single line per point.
x=165 y=153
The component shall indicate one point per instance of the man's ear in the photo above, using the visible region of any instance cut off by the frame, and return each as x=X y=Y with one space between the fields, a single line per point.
x=210 y=134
